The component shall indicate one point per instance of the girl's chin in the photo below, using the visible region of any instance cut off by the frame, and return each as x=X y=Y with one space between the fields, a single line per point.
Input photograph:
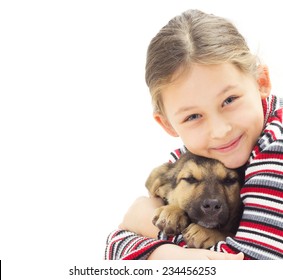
x=233 y=163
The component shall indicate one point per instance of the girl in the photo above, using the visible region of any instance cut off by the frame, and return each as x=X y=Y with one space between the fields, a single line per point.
x=209 y=90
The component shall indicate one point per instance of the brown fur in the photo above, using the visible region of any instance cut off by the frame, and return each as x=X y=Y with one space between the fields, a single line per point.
x=202 y=199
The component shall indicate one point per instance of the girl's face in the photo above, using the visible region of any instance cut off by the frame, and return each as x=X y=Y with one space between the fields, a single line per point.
x=217 y=111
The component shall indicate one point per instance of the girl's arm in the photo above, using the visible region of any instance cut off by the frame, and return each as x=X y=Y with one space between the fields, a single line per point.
x=139 y=216
x=126 y=245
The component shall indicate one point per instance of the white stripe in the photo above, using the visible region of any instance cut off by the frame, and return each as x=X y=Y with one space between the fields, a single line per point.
x=265 y=164
x=264 y=215
x=262 y=199
x=275 y=129
x=249 y=249
x=259 y=238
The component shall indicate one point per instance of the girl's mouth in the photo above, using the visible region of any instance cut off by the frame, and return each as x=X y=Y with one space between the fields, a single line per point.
x=229 y=146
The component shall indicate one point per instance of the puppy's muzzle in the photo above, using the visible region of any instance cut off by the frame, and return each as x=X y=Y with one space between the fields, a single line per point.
x=209 y=212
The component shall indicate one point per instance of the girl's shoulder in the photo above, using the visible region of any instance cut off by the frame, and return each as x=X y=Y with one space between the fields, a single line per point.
x=272 y=109
x=271 y=138
x=273 y=126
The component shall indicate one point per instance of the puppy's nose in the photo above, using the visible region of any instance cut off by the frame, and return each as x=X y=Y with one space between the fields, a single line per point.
x=211 y=206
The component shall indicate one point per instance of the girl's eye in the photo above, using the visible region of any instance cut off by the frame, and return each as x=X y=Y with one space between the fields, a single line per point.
x=192 y=117
x=229 y=100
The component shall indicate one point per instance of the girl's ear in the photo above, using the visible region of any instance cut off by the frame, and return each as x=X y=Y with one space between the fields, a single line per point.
x=165 y=124
x=263 y=81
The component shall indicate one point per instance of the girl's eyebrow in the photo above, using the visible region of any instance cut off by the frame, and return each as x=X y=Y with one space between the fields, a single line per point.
x=184 y=109
x=227 y=88
x=221 y=92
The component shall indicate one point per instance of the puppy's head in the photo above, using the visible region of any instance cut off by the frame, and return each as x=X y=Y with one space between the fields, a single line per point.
x=204 y=188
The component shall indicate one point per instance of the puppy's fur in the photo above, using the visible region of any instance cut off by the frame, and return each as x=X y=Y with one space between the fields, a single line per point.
x=202 y=199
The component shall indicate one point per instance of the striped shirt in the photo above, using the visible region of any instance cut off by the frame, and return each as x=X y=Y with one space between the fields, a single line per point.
x=260 y=233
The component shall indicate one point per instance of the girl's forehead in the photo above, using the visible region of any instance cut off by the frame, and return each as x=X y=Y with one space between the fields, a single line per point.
x=202 y=77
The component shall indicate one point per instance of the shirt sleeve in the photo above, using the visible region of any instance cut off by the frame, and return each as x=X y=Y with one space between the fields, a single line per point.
x=260 y=233
x=126 y=245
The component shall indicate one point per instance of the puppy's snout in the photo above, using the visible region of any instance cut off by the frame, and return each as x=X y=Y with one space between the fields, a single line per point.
x=211 y=206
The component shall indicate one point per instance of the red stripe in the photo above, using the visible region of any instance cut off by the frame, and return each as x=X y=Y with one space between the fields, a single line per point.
x=139 y=242
x=256 y=150
x=271 y=131
x=261 y=227
x=110 y=253
x=136 y=254
x=276 y=193
x=261 y=244
x=226 y=248
x=129 y=244
x=264 y=207
x=178 y=153
x=270 y=155
x=263 y=171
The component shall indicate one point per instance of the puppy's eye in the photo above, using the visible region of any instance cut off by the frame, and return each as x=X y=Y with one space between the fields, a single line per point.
x=229 y=181
x=191 y=180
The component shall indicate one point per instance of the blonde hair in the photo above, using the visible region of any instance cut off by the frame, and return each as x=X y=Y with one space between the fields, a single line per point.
x=194 y=37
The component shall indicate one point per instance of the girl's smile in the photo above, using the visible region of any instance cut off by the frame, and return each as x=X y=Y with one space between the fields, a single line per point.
x=229 y=146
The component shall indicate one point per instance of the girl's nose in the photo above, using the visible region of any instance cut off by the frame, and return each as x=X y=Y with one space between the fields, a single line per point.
x=220 y=128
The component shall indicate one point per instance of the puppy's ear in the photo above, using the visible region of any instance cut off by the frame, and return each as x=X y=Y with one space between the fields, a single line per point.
x=157 y=179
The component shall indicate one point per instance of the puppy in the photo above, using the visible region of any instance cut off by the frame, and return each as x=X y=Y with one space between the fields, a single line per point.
x=201 y=197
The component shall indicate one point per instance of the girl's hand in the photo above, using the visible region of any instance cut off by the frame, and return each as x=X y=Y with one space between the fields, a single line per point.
x=174 y=252
x=139 y=216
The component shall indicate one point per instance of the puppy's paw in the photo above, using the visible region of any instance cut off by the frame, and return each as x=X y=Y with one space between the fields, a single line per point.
x=170 y=219
x=197 y=236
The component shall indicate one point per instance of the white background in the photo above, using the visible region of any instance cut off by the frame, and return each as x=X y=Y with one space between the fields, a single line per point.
x=77 y=137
